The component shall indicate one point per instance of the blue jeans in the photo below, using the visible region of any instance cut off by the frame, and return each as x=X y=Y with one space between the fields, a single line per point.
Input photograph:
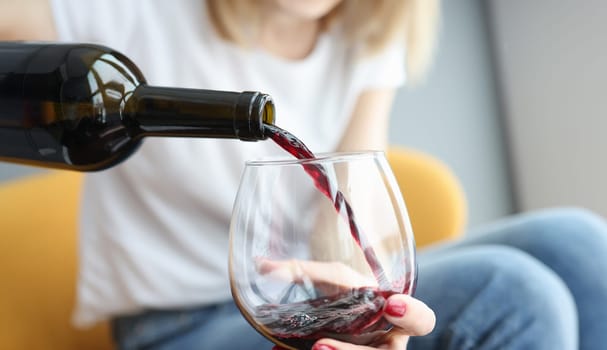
x=214 y=327
x=534 y=281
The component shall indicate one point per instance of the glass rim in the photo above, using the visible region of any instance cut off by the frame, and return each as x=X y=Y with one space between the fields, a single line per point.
x=319 y=158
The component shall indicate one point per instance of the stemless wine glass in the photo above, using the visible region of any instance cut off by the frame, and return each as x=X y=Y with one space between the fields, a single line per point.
x=317 y=245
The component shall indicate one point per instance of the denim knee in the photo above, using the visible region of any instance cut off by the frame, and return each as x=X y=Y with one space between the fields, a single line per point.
x=520 y=304
x=579 y=224
x=565 y=239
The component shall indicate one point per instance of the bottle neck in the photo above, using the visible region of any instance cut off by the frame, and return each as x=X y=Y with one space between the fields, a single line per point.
x=164 y=111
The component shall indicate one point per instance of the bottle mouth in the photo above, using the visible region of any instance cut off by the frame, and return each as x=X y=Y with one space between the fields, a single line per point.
x=268 y=114
x=261 y=112
x=265 y=105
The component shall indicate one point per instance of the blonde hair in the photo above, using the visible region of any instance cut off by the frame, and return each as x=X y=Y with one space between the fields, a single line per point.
x=372 y=23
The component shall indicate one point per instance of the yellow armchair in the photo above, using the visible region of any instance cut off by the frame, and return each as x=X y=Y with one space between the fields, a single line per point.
x=433 y=195
x=38 y=247
x=38 y=253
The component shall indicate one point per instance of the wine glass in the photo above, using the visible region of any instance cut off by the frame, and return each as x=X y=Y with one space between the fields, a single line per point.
x=317 y=245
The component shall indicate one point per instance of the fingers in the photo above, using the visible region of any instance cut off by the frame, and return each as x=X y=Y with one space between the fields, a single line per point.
x=412 y=316
x=395 y=342
x=317 y=272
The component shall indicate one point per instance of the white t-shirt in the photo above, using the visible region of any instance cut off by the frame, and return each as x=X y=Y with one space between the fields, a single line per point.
x=154 y=229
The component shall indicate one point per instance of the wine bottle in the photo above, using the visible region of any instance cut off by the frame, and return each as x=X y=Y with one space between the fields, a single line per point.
x=87 y=107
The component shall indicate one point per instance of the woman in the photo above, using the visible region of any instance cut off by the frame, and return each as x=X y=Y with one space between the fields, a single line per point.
x=155 y=237
x=154 y=229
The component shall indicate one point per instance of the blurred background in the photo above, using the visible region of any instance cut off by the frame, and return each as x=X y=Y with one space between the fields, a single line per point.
x=513 y=104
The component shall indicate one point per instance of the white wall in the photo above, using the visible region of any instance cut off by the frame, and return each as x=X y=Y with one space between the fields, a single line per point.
x=553 y=69
x=455 y=114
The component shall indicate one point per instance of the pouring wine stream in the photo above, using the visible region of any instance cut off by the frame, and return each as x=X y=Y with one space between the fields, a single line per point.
x=298 y=149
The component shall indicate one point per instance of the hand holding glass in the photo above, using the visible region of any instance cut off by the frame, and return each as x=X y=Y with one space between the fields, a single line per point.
x=316 y=247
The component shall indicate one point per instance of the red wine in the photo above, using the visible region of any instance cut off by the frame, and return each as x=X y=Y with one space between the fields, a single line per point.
x=299 y=150
x=345 y=316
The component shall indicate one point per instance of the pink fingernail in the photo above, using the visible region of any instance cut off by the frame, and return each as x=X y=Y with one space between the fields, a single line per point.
x=322 y=347
x=396 y=308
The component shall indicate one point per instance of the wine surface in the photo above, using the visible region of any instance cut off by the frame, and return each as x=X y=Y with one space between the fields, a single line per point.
x=344 y=316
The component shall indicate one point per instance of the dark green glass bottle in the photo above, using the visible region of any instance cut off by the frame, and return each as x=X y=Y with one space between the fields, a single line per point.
x=87 y=107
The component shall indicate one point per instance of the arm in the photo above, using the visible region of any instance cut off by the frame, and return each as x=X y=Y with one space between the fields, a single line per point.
x=26 y=20
x=368 y=129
